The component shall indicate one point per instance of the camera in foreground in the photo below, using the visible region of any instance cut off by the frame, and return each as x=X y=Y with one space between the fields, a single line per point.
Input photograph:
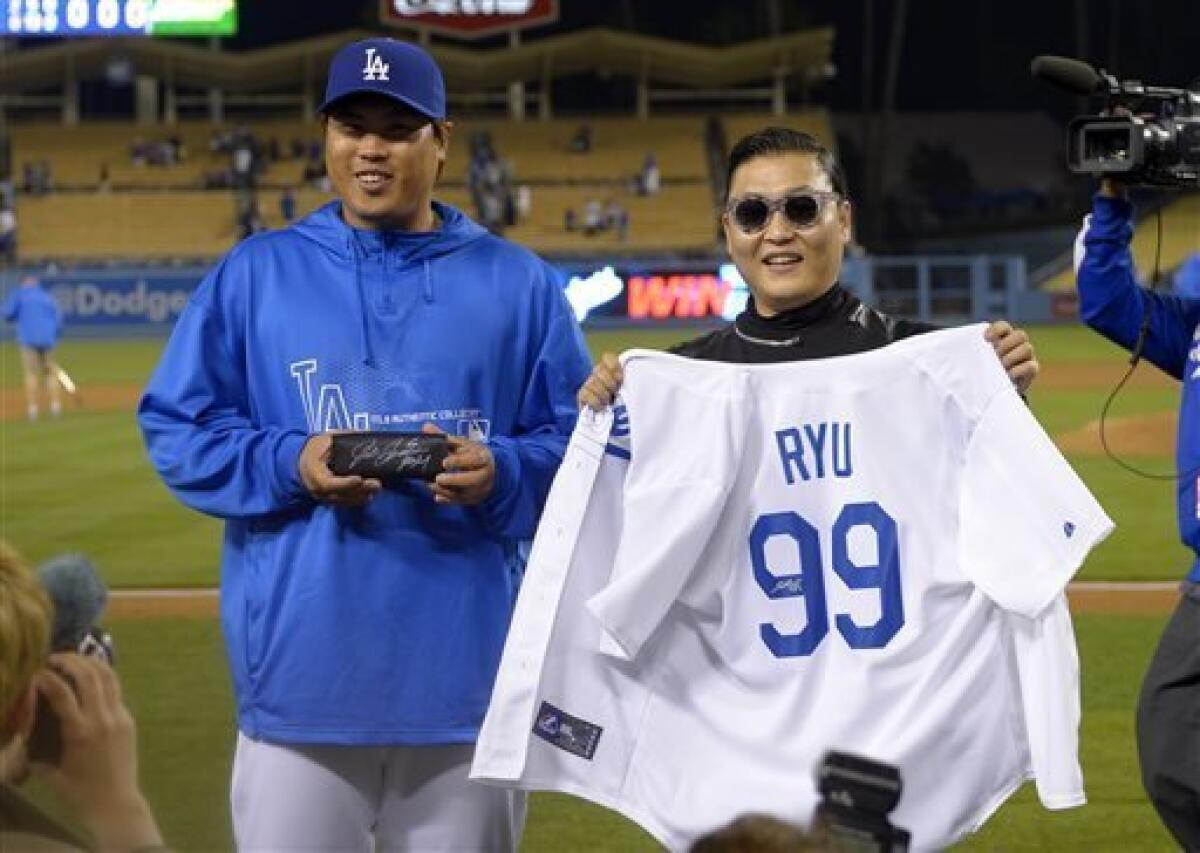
x=45 y=740
x=857 y=795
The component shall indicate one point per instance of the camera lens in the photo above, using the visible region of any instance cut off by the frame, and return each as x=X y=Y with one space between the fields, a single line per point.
x=1107 y=146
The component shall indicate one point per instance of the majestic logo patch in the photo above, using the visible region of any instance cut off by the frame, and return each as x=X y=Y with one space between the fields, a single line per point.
x=575 y=735
x=376 y=68
x=1068 y=529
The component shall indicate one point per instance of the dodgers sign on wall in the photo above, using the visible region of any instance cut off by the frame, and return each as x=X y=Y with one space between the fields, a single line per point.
x=468 y=18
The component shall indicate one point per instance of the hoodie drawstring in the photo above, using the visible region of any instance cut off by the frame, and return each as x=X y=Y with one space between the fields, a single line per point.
x=368 y=355
x=428 y=282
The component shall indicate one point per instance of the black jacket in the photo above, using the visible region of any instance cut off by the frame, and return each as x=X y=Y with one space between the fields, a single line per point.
x=838 y=323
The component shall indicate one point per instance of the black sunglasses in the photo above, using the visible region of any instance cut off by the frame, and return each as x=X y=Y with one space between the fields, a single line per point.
x=751 y=214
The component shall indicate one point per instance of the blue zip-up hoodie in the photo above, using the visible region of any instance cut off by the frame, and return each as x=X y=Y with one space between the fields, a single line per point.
x=38 y=319
x=1111 y=302
x=379 y=625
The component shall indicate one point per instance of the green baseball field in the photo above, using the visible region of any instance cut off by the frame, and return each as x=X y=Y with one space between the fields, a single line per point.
x=82 y=483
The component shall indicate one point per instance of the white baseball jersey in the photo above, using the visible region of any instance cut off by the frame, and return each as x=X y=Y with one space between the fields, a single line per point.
x=762 y=563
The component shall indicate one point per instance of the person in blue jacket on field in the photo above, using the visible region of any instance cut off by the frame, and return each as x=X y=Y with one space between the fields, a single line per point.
x=364 y=625
x=39 y=325
x=1110 y=301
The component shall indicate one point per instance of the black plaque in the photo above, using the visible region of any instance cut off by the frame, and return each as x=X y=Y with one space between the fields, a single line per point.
x=388 y=456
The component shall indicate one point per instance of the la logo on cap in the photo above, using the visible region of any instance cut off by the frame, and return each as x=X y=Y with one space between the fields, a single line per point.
x=376 y=68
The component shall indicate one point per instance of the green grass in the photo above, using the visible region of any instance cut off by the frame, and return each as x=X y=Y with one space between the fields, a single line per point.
x=176 y=682
x=88 y=361
x=1073 y=343
x=83 y=483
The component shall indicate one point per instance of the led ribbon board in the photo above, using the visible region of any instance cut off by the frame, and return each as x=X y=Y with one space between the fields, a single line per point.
x=64 y=18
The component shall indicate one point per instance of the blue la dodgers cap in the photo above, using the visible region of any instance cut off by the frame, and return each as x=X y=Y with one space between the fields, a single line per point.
x=389 y=67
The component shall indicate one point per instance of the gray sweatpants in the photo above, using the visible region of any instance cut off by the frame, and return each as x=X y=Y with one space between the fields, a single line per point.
x=1168 y=722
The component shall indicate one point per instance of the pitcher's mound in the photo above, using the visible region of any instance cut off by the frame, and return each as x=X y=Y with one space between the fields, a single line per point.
x=1139 y=435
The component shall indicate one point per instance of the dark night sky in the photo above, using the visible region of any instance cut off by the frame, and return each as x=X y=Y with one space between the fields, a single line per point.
x=959 y=54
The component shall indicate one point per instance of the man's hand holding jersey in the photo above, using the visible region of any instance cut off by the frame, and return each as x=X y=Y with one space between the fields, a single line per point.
x=602 y=386
x=1016 y=353
x=1012 y=346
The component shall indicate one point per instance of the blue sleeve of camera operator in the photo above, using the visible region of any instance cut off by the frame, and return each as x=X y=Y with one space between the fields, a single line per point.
x=1112 y=303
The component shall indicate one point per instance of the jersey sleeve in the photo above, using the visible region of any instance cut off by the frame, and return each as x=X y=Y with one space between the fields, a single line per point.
x=673 y=498
x=1026 y=520
x=1048 y=671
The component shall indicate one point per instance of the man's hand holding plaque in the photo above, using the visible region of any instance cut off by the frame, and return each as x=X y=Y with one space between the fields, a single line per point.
x=470 y=471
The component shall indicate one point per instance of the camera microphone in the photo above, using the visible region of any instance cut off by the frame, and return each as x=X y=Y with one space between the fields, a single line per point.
x=1069 y=74
x=78 y=596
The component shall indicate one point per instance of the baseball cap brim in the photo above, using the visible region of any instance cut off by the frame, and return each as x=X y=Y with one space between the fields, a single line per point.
x=367 y=89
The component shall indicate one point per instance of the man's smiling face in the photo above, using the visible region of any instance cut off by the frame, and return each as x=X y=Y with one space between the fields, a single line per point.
x=785 y=266
x=383 y=160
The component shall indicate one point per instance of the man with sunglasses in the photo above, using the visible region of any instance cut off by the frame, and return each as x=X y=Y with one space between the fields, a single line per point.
x=364 y=624
x=787 y=224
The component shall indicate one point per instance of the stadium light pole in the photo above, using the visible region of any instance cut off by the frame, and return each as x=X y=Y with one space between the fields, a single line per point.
x=867 y=108
x=216 y=101
x=516 y=89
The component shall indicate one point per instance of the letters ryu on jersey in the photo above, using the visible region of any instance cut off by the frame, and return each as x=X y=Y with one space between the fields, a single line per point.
x=806 y=452
x=326 y=408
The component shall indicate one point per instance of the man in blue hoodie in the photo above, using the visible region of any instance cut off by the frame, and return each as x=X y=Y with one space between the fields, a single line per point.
x=1112 y=303
x=39 y=324
x=364 y=625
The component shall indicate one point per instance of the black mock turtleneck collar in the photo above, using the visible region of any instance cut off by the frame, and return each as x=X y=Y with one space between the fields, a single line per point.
x=794 y=321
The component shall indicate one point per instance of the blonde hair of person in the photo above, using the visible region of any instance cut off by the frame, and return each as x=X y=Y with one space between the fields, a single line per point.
x=25 y=617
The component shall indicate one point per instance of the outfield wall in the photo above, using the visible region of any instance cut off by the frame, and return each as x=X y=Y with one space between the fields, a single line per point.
x=123 y=301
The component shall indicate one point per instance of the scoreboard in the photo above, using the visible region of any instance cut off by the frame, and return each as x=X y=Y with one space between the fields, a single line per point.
x=118 y=17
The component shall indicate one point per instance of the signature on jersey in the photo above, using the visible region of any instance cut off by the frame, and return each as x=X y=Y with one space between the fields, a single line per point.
x=790 y=585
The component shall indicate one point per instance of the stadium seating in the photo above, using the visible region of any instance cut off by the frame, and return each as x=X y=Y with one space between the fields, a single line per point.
x=539 y=150
x=678 y=218
x=76 y=155
x=96 y=226
x=816 y=122
x=160 y=212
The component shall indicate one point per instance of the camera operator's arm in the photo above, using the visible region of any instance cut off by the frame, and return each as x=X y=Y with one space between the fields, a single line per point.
x=97 y=775
x=1110 y=300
